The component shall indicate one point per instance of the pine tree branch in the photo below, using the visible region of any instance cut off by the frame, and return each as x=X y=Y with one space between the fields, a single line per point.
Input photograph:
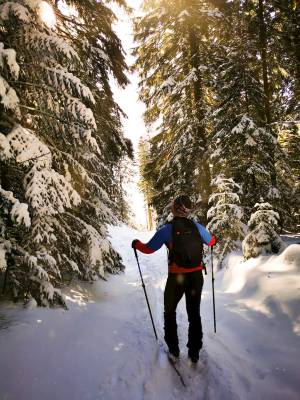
x=41 y=86
x=34 y=158
x=64 y=121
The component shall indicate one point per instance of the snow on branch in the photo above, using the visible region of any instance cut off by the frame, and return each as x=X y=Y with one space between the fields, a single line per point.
x=3 y=250
x=223 y=195
x=264 y=213
x=234 y=210
x=10 y=56
x=262 y=237
x=19 y=212
x=17 y=9
x=225 y=184
x=273 y=193
x=98 y=246
x=63 y=80
x=8 y=95
x=98 y=252
x=43 y=41
x=256 y=168
x=48 y=192
x=79 y=110
x=21 y=144
x=226 y=214
x=245 y=123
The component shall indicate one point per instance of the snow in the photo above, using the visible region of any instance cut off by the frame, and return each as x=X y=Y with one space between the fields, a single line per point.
x=98 y=248
x=2 y=257
x=8 y=95
x=62 y=79
x=103 y=347
x=234 y=210
x=49 y=193
x=250 y=141
x=183 y=13
x=33 y=4
x=79 y=110
x=22 y=144
x=40 y=40
x=243 y=124
x=17 y=9
x=10 y=56
x=19 y=212
x=264 y=214
x=167 y=83
x=274 y=193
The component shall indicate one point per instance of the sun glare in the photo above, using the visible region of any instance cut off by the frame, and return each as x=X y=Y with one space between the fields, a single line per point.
x=47 y=14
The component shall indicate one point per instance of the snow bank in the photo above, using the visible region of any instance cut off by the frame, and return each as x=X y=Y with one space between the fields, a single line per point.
x=270 y=285
x=240 y=272
x=258 y=314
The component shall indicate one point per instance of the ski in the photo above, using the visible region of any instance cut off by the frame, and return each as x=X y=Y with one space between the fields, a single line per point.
x=173 y=363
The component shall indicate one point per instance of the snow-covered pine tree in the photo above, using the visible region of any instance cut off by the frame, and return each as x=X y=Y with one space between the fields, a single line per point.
x=247 y=81
x=172 y=60
x=255 y=77
x=245 y=150
x=262 y=237
x=51 y=151
x=225 y=216
x=285 y=31
x=243 y=140
x=289 y=176
x=97 y=44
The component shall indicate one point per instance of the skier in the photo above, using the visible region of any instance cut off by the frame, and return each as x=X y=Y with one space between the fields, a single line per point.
x=184 y=239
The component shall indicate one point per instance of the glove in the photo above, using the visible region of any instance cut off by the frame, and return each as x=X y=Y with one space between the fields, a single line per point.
x=213 y=241
x=134 y=242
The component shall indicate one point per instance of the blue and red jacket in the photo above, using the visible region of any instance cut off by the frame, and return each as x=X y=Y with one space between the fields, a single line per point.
x=164 y=236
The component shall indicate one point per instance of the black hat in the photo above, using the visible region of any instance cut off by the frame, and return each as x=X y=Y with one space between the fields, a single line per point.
x=182 y=205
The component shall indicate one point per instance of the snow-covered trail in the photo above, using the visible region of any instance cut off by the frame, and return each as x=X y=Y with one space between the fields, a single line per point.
x=162 y=382
x=103 y=347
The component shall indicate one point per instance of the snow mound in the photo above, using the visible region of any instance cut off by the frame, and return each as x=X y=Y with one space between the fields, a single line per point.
x=269 y=285
x=290 y=257
x=241 y=274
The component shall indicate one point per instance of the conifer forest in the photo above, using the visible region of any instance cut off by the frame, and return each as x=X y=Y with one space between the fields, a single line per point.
x=149 y=199
x=220 y=80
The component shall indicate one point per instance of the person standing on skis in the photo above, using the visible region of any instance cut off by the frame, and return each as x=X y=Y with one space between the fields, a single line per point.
x=184 y=239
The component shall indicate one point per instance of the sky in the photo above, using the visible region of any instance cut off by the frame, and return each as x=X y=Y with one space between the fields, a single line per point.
x=134 y=127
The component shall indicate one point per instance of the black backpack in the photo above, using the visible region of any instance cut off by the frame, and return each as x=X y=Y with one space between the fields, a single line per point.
x=187 y=250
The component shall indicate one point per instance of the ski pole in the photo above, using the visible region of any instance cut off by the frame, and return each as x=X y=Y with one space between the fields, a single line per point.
x=213 y=288
x=144 y=287
x=160 y=344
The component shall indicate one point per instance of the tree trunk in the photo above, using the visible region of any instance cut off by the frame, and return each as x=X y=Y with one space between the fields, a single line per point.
x=263 y=52
x=200 y=134
x=149 y=211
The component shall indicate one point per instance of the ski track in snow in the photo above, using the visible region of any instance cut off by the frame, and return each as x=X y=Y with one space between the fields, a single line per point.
x=104 y=346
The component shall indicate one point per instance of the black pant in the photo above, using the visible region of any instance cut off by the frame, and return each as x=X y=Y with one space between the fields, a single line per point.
x=191 y=285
